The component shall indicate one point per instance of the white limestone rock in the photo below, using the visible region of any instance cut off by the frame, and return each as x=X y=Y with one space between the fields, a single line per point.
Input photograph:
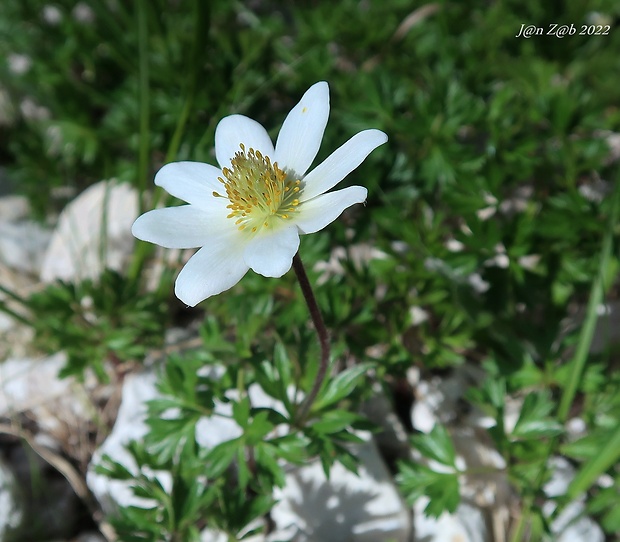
x=437 y=399
x=6 y=322
x=357 y=508
x=93 y=232
x=572 y=525
x=212 y=535
x=137 y=390
x=33 y=386
x=22 y=241
x=13 y=208
x=467 y=524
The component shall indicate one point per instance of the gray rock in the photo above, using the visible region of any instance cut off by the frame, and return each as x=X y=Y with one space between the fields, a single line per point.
x=22 y=241
x=13 y=208
x=467 y=524
x=358 y=508
x=572 y=525
x=137 y=390
x=33 y=386
x=93 y=232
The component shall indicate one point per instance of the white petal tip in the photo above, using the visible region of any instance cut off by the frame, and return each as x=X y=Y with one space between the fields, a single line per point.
x=379 y=137
x=188 y=300
x=138 y=230
x=320 y=85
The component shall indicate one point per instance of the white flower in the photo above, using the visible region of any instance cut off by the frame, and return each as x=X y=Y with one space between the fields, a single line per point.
x=249 y=213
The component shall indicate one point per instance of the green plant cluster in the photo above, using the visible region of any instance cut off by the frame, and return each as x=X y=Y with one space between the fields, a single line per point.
x=109 y=319
x=492 y=218
x=230 y=484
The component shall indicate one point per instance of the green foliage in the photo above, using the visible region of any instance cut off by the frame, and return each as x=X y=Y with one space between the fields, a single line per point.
x=237 y=476
x=169 y=508
x=441 y=488
x=97 y=321
x=440 y=484
x=437 y=446
x=341 y=386
x=535 y=419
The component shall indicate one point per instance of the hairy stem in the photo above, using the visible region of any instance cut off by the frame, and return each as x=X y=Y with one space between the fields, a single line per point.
x=321 y=330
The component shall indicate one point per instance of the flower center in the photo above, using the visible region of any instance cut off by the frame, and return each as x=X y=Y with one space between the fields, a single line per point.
x=259 y=191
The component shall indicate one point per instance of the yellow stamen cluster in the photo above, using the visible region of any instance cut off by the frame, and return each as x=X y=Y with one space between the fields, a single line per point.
x=258 y=190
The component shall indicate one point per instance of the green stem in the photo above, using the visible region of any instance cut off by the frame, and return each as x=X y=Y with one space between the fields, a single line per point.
x=143 y=99
x=241 y=382
x=321 y=330
x=202 y=17
x=202 y=25
x=142 y=249
x=587 y=331
x=15 y=315
x=599 y=464
x=14 y=296
x=519 y=530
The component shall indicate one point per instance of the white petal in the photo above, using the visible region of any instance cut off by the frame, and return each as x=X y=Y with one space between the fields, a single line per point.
x=193 y=182
x=185 y=226
x=271 y=253
x=236 y=129
x=301 y=134
x=341 y=162
x=215 y=268
x=317 y=213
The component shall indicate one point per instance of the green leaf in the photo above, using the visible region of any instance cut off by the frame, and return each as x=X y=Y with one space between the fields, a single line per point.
x=588 y=446
x=436 y=445
x=293 y=447
x=112 y=469
x=341 y=386
x=441 y=488
x=219 y=458
x=534 y=420
x=608 y=456
x=167 y=435
x=333 y=421
x=258 y=428
x=265 y=456
x=243 y=470
x=241 y=412
x=347 y=458
x=273 y=416
x=283 y=367
x=604 y=503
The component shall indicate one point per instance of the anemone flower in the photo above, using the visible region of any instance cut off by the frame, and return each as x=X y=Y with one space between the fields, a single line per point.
x=250 y=213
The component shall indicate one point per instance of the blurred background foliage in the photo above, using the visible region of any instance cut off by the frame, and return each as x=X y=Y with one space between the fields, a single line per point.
x=486 y=209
